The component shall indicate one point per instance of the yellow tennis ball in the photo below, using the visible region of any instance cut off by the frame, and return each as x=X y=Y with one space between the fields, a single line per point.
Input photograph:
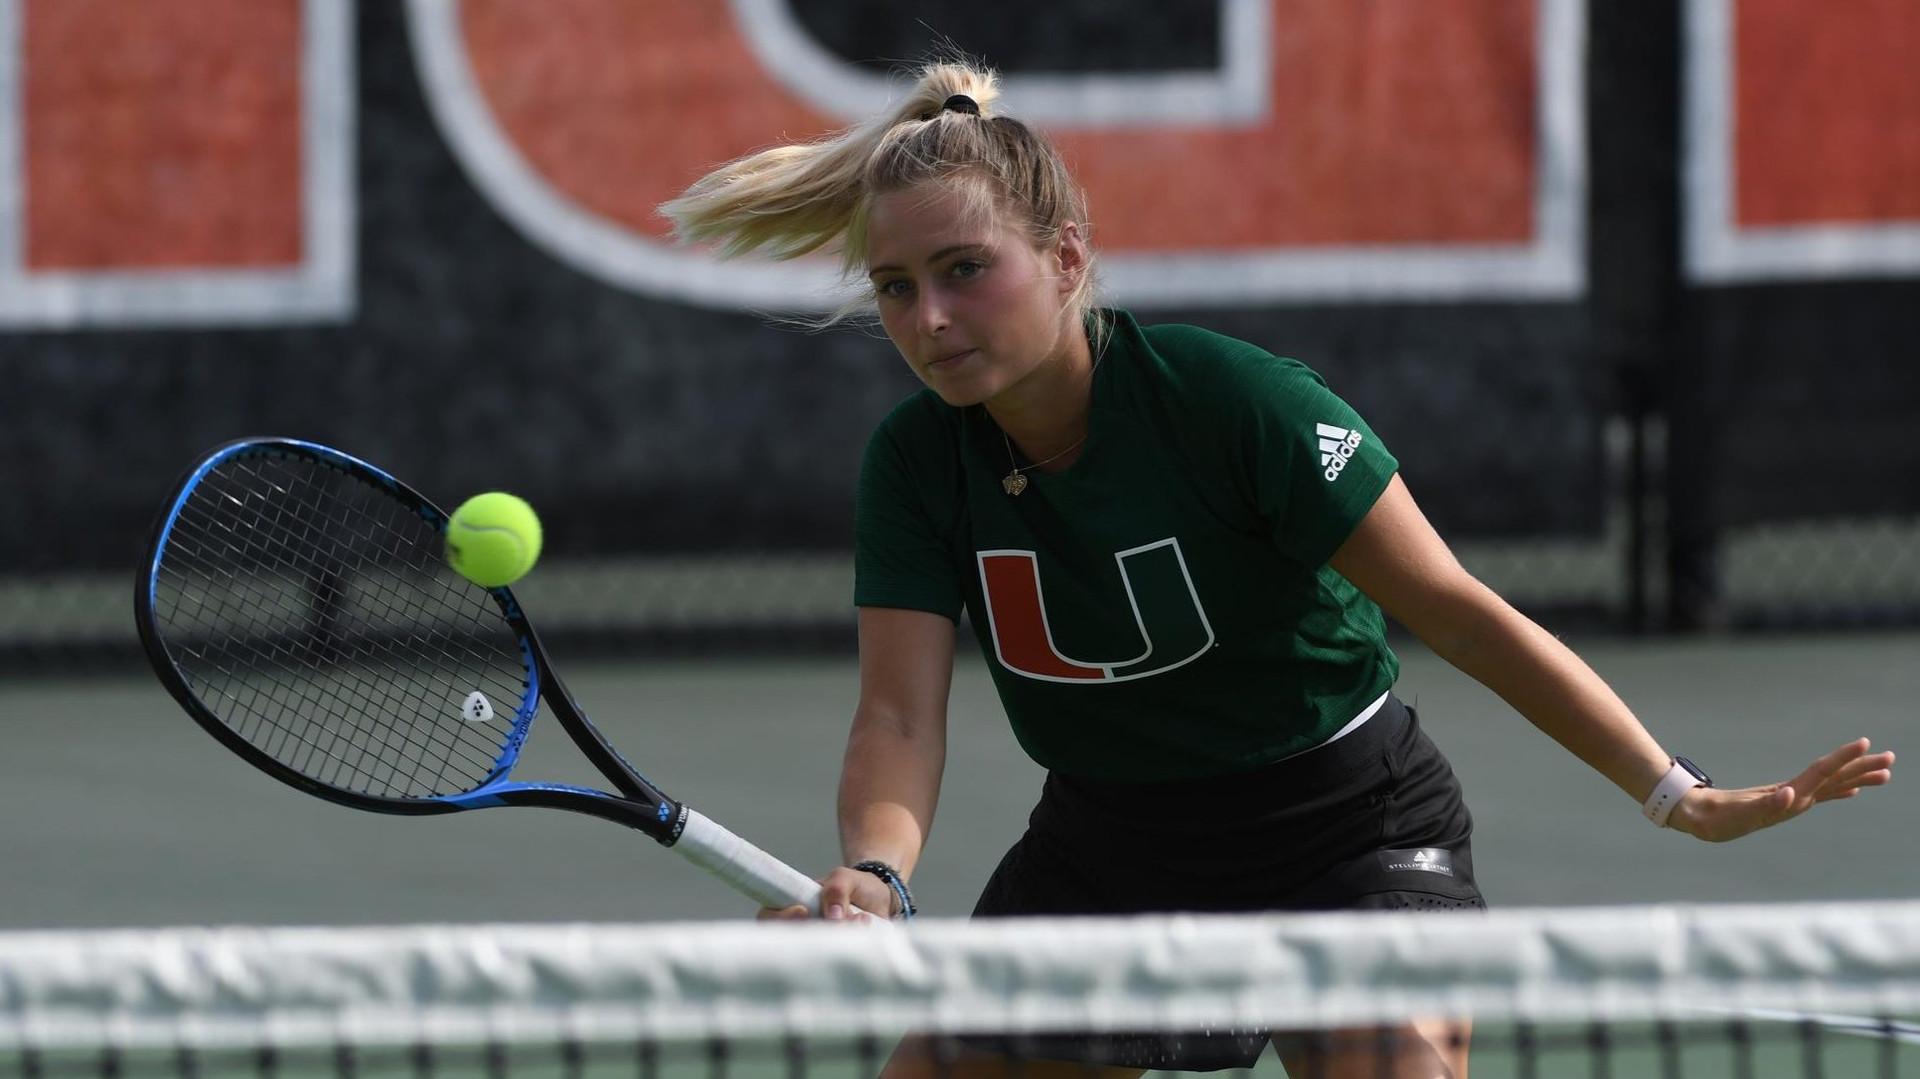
x=493 y=539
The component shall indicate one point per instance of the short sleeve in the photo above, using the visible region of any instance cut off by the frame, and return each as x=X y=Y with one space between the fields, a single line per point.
x=1313 y=466
x=902 y=555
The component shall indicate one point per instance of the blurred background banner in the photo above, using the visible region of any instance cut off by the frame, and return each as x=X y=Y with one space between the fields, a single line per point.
x=1630 y=293
x=1240 y=152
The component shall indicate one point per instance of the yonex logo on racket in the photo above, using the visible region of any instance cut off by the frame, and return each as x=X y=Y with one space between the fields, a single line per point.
x=1337 y=446
x=476 y=708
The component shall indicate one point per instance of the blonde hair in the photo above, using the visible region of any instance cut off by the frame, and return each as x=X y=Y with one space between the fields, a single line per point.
x=790 y=201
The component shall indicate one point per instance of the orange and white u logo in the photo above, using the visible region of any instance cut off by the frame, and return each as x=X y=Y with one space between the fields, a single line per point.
x=1166 y=609
x=1340 y=149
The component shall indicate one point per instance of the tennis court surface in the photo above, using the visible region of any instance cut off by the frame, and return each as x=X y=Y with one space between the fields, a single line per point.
x=153 y=924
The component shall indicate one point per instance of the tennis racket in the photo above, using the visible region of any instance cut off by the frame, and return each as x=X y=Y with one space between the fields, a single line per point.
x=296 y=601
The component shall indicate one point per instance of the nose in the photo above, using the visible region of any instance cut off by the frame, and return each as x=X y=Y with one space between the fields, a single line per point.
x=933 y=316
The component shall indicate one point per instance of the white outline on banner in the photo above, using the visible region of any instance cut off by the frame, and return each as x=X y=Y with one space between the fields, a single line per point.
x=1552 y=266
x=1235 y=95
x=320 y=289
x=571 y=234
x=1717 y=249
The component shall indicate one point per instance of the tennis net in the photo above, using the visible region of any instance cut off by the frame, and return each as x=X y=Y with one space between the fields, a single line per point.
x=1696 y=991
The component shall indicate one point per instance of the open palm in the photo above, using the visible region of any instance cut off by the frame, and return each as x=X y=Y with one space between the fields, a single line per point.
x=1719 y=815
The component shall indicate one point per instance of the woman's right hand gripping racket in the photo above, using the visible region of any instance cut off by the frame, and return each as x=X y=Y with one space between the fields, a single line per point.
x=297 y=603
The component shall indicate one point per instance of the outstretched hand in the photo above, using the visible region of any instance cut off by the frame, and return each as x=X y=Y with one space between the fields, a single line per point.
x=1717 y=815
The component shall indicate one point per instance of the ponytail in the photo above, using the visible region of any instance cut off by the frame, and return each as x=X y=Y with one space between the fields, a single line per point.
x=790 y=201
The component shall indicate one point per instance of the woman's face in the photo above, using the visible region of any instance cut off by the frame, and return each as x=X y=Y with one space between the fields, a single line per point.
x=975 y=310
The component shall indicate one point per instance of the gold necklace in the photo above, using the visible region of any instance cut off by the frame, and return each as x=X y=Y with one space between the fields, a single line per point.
x=1014 y=483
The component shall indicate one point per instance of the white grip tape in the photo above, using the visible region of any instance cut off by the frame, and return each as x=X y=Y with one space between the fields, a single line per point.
x=757 y=874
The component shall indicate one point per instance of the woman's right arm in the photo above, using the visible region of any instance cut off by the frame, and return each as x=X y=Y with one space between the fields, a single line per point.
x=896 y=752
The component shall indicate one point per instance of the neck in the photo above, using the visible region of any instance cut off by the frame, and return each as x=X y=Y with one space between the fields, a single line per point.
x=1047 y=413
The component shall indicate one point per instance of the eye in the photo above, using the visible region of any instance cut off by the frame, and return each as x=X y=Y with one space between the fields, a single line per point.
x=968 y=268
x=893 y=289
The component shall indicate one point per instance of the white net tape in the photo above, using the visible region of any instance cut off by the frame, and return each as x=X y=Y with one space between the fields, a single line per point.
x=466 y=984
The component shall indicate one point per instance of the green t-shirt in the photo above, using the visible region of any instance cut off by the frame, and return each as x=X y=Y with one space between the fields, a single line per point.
x=1162 y=608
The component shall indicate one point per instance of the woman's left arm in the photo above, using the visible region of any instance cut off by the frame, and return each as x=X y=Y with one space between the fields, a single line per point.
x=1397 y=559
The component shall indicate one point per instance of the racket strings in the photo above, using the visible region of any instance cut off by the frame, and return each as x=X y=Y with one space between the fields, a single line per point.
x=348 y=750
x=313 y=613
x=334 y=747
x=393 y=690
x=358 y=750
x=263 y=686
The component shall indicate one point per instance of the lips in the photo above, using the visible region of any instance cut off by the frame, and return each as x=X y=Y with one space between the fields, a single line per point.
x=949 y=359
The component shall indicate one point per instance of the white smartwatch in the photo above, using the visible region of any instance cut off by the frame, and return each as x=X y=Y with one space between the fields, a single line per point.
x=1681 y=778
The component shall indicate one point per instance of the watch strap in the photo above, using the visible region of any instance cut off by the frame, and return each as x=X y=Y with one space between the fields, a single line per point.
x=1680 y=778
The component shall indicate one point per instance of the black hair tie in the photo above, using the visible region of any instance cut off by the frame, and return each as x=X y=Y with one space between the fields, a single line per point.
x=961 y=103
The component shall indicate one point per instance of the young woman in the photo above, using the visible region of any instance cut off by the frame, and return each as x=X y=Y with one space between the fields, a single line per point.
x=1175 y=549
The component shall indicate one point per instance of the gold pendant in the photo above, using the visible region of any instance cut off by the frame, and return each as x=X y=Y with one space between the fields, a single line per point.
x=1014 y=483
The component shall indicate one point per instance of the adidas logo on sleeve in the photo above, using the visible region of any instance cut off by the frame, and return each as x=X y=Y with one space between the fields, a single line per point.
x=1337 y=445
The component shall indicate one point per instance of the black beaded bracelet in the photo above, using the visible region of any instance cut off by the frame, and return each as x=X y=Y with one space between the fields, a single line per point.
x=891 y=877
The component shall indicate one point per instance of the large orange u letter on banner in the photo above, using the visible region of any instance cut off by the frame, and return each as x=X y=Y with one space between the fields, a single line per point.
x=1344 y=149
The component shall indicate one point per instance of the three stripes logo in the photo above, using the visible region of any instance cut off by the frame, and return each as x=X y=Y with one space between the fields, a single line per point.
x=1337 y=446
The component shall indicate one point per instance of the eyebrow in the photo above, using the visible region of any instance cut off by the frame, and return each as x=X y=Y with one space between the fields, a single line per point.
x=951 y=249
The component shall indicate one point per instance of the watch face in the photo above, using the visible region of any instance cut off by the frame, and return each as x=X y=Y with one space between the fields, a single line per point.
x=1694 y=771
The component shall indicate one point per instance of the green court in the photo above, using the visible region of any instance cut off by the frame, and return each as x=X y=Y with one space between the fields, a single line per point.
x=126 y=814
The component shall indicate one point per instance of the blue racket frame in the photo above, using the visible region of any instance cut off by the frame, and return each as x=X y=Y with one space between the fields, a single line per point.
x=639 y=804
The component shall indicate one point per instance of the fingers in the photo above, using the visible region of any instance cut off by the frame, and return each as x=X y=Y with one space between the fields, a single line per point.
x=857 y=892
x=1869 y=770
x=782 y=914
x=1843 y=772
x=832 y=912
x=1841 y=759
x=837 y=900
x=845 y=896
x=1717 y=815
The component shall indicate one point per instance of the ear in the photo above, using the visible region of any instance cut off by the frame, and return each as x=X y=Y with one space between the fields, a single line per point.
x=1071 y=256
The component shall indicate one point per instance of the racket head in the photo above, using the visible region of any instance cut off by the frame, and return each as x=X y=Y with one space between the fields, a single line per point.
x=296 y=602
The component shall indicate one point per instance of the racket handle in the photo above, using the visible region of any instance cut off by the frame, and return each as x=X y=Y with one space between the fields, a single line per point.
x=753 y=872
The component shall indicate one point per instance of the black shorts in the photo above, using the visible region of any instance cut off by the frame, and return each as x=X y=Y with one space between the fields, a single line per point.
x=1372 y=821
